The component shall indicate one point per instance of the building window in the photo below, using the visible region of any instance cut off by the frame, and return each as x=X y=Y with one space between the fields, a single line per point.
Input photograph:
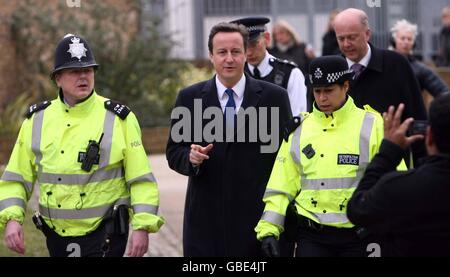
x=234 y=7
x=324 y=6
x=292 y=6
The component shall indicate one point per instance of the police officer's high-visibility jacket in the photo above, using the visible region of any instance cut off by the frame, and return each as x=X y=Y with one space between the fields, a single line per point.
x=320 y=166
x=49 y=149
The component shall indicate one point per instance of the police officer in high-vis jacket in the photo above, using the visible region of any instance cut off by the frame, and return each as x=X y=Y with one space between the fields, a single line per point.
x=319 y=166
x=86 y=153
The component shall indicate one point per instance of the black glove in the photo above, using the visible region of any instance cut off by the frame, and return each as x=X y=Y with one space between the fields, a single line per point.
x=270 y=247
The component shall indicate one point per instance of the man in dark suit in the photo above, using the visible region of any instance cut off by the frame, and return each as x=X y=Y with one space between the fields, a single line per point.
x=382 y=78
x=227 y=175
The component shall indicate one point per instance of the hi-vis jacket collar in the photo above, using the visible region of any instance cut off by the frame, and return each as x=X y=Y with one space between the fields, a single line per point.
x=81 y=108
x=344 y=113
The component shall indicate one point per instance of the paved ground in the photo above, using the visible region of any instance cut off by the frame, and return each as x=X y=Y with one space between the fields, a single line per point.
x=172 y=186
x=168 y=241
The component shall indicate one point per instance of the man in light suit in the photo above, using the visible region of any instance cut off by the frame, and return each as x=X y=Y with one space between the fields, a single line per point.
x=227 y=177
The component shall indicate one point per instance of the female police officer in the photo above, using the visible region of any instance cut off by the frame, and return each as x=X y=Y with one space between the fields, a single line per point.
x=320 y=165
x=86 y=153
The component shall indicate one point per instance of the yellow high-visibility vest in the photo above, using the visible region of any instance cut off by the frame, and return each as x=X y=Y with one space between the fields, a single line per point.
x=320 y=166
x=50 y=149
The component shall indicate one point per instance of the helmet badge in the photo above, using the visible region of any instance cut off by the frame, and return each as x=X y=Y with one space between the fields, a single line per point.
x=318 y=74
x=77 y=49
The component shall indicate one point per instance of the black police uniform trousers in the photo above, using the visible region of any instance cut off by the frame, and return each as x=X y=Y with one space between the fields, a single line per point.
x=94 y=244
x=316 y=240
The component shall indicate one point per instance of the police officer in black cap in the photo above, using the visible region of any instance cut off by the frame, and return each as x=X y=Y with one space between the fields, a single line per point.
x=261 y=65
x=318 y=167
x=86 y=153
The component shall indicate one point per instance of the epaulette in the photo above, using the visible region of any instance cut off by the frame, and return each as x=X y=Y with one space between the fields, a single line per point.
x=284 y=62
x=291 y=126
x=37 y=107
x=119 y=109
x=368 y=108
x=371 y=110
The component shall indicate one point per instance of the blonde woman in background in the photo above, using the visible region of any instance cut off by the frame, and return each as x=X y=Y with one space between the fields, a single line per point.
x=287 y=45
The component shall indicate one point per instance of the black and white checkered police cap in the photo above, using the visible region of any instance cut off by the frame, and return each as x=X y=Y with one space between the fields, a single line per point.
x=328 y=70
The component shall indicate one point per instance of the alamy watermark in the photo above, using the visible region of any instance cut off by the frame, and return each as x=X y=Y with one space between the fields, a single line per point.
x=374 y=249
x=373 y=3
x=73 y=3
x=260 y=127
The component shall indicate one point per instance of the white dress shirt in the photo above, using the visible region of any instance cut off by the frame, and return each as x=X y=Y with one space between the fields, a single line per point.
x=296 y=85
x=238 y=94
x=364 y=61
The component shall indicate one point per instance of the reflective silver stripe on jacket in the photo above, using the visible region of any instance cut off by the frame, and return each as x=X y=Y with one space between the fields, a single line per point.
x=106 y=143
x=271 y=192
x=9 y=202
x=364 y=139
x=144 y=178
x=84 y=213
x=273 y=217
x=81 y=179
x=330 y=183
x=327 y=218
x=347 y=182
x=14 y=177
x=295 y=144
x=145 y=208
x=36 y=137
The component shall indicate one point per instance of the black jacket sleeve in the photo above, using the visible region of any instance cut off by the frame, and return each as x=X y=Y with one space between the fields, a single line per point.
x=370 y=204
x=177 y=153
x=428 y=80
x=414 y=105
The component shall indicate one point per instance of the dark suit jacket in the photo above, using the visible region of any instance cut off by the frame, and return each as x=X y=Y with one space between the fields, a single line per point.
x=388 y=80
x=411 y=207
x=224 y=199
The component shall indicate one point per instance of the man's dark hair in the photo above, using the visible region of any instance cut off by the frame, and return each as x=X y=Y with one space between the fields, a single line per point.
x=227 y=28
x=440 y=122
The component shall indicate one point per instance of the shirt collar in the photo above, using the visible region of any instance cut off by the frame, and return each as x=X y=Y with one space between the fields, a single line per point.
x=264 y=66
x=364 y=61
x=238 y=89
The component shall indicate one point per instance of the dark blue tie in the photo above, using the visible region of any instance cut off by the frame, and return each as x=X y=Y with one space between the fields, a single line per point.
x=230 y=107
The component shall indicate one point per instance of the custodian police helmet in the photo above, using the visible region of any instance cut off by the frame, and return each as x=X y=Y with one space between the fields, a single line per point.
x=73 y=52
x=254 y=25
x=328 y=70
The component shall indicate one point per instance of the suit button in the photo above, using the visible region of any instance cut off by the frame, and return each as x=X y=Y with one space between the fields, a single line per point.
x=59 y=179
x=324 y=211
x=59 y=205
x=321 y=155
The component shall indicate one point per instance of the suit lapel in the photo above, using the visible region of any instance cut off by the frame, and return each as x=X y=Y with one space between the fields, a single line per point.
x=209 y=94
x=252 y=95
